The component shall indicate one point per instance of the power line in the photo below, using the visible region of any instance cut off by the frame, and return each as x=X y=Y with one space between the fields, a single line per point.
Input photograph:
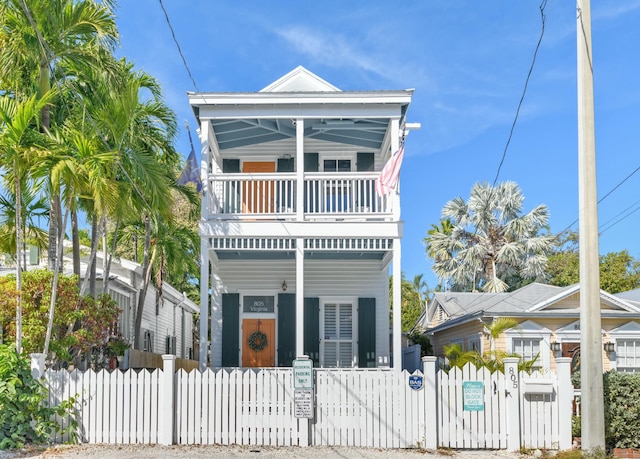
x=184 y=61
x=603 y=198
x=524 y=91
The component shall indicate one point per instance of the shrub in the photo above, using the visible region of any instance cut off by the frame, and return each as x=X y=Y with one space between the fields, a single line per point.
x=24 y=416
x=622 y=409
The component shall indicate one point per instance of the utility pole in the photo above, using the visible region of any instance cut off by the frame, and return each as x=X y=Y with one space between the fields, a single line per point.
x=590 y=320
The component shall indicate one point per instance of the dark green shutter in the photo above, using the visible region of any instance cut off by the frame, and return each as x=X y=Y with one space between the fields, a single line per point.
x=230 y=166
x=285 y=164
x=312 y=329
x=367 y=197
x=366 y=332
x=286 y=329
x=232 y=202
x=230 y=329
x=285 y=192
x=311 y=164
x=365 y=162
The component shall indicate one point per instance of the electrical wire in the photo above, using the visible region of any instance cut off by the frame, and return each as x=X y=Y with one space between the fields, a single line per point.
x=524 y=90
x=175 y=40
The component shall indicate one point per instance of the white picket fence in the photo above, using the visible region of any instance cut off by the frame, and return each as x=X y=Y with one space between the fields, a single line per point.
x=353 y=407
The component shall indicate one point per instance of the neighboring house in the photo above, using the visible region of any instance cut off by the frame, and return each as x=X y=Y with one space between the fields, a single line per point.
x=549 y=324
x=167 y=325
x=296 y=244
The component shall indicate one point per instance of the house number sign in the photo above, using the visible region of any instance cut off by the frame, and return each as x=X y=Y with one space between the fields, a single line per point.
x=257 y=304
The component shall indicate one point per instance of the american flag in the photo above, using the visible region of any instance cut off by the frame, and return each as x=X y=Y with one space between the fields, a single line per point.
x=388 y=179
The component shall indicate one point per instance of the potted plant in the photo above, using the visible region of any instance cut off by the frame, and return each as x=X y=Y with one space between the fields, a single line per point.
x=117 y=346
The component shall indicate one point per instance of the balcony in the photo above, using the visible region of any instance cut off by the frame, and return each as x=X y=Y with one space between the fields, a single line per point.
x=273 y=196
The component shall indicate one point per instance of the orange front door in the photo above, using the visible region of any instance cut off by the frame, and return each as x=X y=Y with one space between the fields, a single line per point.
x=257 y=195
x=255 y=351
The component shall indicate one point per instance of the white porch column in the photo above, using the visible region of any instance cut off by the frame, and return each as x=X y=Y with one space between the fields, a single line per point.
x=397 y=306
x=204 y=247
x=397 y=267
x=299 y=297
x=300 y=169
x=204 y=302
x=299 y=241
x=216 y=289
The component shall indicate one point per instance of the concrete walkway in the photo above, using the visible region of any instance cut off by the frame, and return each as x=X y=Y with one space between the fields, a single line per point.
x=161 y=452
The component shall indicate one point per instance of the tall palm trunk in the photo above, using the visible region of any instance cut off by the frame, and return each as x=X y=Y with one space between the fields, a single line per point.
x=112 y=251
x=18 y=260
x=147 y=262
x=54 y=287
x=75 y=241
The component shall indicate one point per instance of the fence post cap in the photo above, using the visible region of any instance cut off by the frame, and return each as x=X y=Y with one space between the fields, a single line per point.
x=563 y=359
x=429 y=358
x=168 y=357
x=511 y=359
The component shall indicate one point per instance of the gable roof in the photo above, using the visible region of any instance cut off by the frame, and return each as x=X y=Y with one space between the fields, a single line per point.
x=299 y=80
x=532 y=300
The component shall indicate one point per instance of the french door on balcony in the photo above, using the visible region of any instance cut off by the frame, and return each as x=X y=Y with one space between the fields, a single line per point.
x=258 y=195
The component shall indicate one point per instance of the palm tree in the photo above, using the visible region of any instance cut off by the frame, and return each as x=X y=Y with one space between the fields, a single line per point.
x=491 y=241
x=45 y=38
x=20 y=140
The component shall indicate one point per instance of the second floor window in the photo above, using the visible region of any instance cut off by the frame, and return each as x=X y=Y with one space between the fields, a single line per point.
x=337 y=165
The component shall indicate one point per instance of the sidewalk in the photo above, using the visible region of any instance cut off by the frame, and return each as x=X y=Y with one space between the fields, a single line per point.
x=161 y=452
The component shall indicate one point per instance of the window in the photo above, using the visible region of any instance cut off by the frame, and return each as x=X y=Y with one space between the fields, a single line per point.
x=528 y=349
x=474 y=344
x=338 y=335
x=337 y=165
x=628 y=355
x=124 y=303
x=147 y=344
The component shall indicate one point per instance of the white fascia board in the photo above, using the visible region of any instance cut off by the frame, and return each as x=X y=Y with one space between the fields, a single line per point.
x=131 y=266
x=614 y=300
x=554 y=299
x=300 y=111
x=302 y=229
x=274 y=98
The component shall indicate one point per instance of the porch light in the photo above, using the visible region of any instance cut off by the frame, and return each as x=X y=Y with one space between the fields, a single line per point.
x=555 y=346
x=609 y=347
x=284 y=286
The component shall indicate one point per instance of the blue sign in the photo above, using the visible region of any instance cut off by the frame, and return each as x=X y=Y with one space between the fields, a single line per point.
x=473 y=395
x=416 y=382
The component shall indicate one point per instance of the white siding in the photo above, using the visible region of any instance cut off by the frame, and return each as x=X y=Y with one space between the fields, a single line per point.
x=325 y=279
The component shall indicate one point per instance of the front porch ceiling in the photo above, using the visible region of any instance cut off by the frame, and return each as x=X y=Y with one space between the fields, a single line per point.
x=234 y=133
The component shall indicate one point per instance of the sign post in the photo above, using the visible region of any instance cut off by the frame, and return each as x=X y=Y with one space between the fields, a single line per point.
x=303 y=396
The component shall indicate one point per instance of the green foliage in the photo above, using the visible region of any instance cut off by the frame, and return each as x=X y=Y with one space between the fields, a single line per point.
x=486 y=242
x=24 y=416
x=622 y=409
x=576 y=426
x=418 y=337
x=412 y=302
x=80 y=323
x=619 y=271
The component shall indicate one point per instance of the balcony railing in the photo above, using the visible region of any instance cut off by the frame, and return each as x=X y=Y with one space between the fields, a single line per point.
x=268 y=196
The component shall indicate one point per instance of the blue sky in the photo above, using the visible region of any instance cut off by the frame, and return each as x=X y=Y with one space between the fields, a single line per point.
x=468 y=63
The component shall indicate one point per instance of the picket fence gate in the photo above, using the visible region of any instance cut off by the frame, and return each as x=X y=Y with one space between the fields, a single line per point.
x=353 y=407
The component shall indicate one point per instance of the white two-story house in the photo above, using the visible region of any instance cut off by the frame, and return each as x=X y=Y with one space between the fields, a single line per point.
x=297 y=247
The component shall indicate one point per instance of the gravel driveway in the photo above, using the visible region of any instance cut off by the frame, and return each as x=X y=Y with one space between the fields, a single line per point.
x=161 y=452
